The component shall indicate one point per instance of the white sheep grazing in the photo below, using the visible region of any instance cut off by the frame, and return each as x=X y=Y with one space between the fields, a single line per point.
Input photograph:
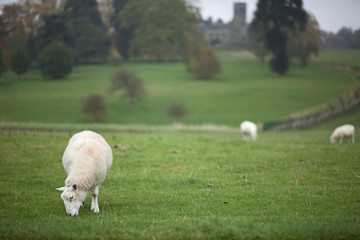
x=248 y=130
x=347 y=131
x=87 y=159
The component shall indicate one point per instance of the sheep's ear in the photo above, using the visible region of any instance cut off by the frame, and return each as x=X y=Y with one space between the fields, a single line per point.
x=61 y=189
x=75 y=187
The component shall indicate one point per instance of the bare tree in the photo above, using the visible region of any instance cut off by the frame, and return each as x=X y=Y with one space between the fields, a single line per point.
x=131 y=85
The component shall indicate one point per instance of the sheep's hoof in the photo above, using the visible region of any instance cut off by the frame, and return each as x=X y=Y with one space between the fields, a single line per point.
x=95 y=209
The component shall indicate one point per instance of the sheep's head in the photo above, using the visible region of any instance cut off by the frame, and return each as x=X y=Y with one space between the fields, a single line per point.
x=332 y=139
x=73 y=199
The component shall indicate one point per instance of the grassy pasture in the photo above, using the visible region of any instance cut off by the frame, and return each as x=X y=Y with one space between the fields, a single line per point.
x=244 y=90
x=347 y=57
x=286 y=185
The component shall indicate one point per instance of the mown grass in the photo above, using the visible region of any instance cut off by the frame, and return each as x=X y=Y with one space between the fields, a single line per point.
x=245 y=89
x=345 y=57
x=286 y=185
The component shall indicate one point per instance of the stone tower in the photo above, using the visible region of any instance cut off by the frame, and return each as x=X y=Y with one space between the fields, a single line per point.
x=232 y=33
x=239 y=14
x=239 y=28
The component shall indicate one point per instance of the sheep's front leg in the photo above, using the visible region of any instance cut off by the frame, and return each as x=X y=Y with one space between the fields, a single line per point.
x=94 y=198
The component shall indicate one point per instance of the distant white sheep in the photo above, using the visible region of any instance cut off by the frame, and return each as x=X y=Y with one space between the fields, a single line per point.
x=344 y=131
x=87 y=159
x=248 y=130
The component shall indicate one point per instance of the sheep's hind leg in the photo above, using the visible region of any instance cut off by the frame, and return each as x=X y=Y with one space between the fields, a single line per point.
x=94 y=201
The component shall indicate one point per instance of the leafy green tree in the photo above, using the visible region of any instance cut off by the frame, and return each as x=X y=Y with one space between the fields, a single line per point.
x=20 y=61
x=278 y=17
x=32 y=48
x=302 y=44
x=85 y=9
x=55 y=28
x=160 y=27
x=2 y=64
x=122 y=34
x=16 y=47
x=55 y=61
x=256 y=42
x=91 y=43
x=17 y=40
x=2 y=46
x=130 y=84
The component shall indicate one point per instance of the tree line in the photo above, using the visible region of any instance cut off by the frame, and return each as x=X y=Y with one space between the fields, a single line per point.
x=32 y=32
x=85 y=32
x=344 y=38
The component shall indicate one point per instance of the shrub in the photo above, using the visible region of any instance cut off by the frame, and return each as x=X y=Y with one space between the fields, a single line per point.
x=204 y=63
x=55 y=60
x=176 y=110
x=94 y=107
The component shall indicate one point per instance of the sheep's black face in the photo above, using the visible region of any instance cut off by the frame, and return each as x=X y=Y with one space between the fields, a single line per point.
x=72 y=199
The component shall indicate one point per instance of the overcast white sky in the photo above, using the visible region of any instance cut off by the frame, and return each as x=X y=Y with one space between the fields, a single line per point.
x=331 y=14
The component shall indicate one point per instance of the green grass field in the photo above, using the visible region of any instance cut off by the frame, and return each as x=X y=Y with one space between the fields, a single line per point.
x=286 y=185
x=246 y=89
x=347 y=57
x=183 y=184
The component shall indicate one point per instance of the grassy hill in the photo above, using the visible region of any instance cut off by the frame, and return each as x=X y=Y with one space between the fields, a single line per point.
x=245 y=89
